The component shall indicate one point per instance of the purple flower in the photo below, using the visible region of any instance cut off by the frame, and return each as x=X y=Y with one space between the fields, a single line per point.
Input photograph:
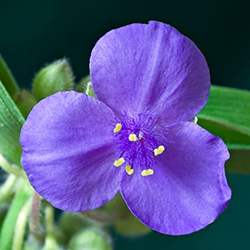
x=137 y=139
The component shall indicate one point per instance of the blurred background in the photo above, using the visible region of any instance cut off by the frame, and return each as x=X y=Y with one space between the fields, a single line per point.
x=33 y=33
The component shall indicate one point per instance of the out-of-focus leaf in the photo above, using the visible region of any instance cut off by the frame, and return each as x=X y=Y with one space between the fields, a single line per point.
x=124 y=222
x=11 y=121
x=239 y=161
x=24 y=101
x=9 y=224
x=70 y=224
x=227 y=114
x=7 y=78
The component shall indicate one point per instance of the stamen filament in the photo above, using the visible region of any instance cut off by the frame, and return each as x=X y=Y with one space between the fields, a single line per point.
x=159 y=150
x=147 y=172
x=119 y=162
x=129 y=170
x=117 y=128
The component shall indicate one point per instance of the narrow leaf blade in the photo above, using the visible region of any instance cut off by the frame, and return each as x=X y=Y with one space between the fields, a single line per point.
x=7 y=78
x=11 y=121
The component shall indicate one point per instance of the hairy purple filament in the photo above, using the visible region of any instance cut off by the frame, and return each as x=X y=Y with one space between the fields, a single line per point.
x=137 y=143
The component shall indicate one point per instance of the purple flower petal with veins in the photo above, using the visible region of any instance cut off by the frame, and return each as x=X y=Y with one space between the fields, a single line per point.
x=138 y=138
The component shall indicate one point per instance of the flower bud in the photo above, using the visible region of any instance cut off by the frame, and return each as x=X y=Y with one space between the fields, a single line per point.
x=91 y=239
x=57 y=76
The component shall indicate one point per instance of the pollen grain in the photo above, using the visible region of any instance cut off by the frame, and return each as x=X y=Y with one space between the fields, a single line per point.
x=119 y=162
x=159 y=150
x=147 y=172
x=132 y=137
x=129 y=170
x=117 y=128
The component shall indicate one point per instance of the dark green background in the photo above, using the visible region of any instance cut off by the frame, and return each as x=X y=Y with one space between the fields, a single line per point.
x=35 y=32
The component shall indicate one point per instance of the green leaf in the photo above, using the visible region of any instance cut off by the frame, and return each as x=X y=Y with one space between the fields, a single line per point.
x=9 y=224
x=227 y=115
x=11 y=121
x=7 y=78
x=57 y=76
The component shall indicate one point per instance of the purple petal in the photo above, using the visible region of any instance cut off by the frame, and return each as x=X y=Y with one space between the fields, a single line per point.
x=68 y=151
x=188 y=189
x=143 y=67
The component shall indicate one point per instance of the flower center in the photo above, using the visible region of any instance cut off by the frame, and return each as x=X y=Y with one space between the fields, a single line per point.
x=137 y=144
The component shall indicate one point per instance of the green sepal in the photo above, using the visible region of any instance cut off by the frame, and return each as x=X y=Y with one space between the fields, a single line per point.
x=7 y=78
x=85 y=86
x=11 y=121
x=54 y=77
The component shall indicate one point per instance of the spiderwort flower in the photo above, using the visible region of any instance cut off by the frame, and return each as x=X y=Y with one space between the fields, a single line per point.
x=138 y=138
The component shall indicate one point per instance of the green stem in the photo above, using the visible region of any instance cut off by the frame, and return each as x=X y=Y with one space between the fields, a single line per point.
x=7 y=187
x=7 y=78
x=8 y=227
x=20 y=226
x=49 y=220
x=10 y=168
x=50 y=241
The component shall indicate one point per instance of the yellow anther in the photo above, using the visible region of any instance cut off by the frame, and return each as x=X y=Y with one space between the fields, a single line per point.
x=117 y=128
x=147 y=172
x=129 y=170
x=133 y=137
x=119 y=162
x=159 y=150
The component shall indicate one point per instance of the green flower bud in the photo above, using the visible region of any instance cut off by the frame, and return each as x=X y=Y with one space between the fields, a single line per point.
x=25 y=101
x=57 y=76
x=91 y=239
